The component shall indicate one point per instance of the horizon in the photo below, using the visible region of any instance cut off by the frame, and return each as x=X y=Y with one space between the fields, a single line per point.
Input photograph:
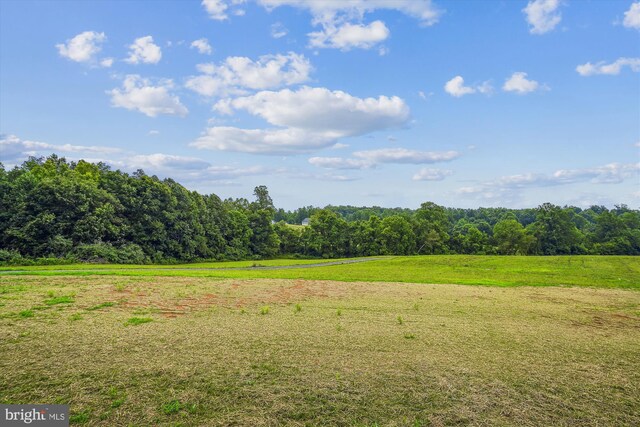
x=466 y=104
x=330 y=205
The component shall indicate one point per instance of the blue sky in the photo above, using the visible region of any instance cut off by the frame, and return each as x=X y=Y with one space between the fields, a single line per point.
x=363 y=102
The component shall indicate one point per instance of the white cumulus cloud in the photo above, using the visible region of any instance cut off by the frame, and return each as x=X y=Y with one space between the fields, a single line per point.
x=238 y=73
x=141 y=95
x=83 y=48
x=611 y=69
x=403 y=155
x=144 y=50
x=542 y=15
x=423 y=10
x=340 y=163
x=427 y=174
x=371 y=158
x=632 y=16
x=261 y=141
x=510 y=187
x=15 y=148
x=218 y=9
x=519 y=84
x=341 y=21
x=321 y=110
x=348 y=36
x=455 y=87
x=278 y=30
x=202 y=45
x=306 y=119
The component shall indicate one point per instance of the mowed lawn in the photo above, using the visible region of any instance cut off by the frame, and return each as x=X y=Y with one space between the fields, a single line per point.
x=191 y=351
x=591 y=271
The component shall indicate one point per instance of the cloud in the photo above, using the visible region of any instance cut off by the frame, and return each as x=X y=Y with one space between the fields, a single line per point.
x=306 y=119
x=160 y=161
x=455 y=87
x=632 y=16
x=83 y=48
x=202 y=45
x=153 y=132
x=348 y=36
x=542 y=15
x=278 y=30
x=238 y=73
x=371 y=158
x=519 y=84
x=188 y=169
x=106 y=62
x=139 y=94
x=181 y=168
x=12 y=148
x=342 y=25
x=333 y=113
x=144 y=50
x=261 y=141
x=612 y=69
x=637 y=144
x=403 y=155
x=423 y=10
x=426 y=174
x=508 y=187
x=340 y=163
x=217 y=9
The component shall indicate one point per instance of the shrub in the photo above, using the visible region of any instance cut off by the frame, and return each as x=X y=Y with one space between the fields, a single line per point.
x=105 y=252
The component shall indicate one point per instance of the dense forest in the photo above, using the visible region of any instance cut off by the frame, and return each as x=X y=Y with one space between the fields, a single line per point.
x=53 y=210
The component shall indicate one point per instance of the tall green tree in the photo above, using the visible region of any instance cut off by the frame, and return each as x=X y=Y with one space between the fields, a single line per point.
x=431 y=229
x=555 y=232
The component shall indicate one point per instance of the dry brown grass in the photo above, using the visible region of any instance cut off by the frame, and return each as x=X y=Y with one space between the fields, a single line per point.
x=462 y=355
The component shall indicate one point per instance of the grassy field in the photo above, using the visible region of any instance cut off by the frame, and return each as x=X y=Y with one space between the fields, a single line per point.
x=138 y=350
x=593 y=271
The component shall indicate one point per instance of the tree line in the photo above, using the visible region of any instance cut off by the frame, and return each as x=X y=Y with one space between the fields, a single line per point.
x=53 y=210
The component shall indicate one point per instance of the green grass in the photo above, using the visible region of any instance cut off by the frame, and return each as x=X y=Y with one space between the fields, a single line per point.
x=59 y=300
x=101 y=306
x=592 y=271
x=357 y=354
x=212 y=264
x=138 y=320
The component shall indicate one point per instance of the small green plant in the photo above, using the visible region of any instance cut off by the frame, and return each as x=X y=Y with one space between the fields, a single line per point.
x=117 y=398
x=79 y=418
x=103 y=305
x=400 y=320
x=243 y=311
x=339 y=328
x=120 y=287
x=59 y=300
x=409 y=336
x=264 y=310
x=76 y=316
x=51 y=294
x=297 y=308
x=26 y=313
x=138 y=320
x=416 y=306
x=338 y=312
x=172 y=407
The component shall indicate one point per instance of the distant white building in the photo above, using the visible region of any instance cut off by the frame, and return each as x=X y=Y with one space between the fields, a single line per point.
x=305 y=221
